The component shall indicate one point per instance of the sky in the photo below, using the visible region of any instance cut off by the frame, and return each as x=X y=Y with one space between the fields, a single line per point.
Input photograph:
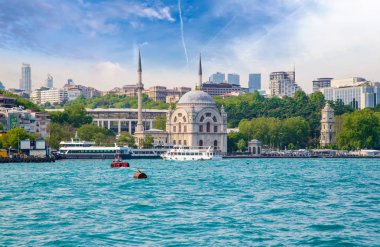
x=96 y=43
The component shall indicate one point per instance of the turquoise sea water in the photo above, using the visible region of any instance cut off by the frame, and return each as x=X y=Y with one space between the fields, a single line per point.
x=256 y=202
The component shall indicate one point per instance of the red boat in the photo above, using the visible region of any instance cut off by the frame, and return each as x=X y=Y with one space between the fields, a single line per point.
x=118 y=163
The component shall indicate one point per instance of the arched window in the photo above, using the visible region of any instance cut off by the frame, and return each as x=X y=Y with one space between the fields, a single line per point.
x=184 y=119
x=215 y=143
x=180 y=142
x=216 y=128
x=174 y=128
x=175 y=119
x=200 y=128
x=185 y=142
x=202 y=118
x=179 y=127
x=208 y=127
x=200 y=143
x=185 y=128
x=214 y=119
x=174 y=142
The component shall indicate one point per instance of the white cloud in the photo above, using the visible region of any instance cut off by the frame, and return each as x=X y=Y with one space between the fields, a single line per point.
x=338 y=38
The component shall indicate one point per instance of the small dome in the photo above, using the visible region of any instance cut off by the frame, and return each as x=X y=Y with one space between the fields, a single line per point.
x=197 y=98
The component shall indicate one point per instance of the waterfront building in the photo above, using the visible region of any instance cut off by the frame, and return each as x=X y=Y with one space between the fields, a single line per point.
x=255 y=147
x=356 y=91
x=118 y=119
x=283 y=84
x=217 y=77
x=49 y=81
x=254 y=82
x=327 y=126
x=26 y=78
x=197 y=121
x=32 y=122
x=233 y=79
x=216 y=89
x=321 y=83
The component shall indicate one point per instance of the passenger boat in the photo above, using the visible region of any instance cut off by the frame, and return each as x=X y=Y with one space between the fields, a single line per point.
x=181 y=153
x=77 y=149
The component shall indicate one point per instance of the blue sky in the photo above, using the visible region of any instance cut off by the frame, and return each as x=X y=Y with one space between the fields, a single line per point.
x=95 y=42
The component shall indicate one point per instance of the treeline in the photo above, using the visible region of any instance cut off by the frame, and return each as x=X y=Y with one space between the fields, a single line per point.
x=27 y=104
x=113 y=101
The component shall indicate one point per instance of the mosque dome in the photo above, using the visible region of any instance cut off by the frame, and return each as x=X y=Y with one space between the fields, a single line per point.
x=196 y=98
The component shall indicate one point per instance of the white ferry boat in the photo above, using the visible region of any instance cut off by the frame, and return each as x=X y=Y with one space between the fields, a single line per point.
x=181 y=153
x=77 y=149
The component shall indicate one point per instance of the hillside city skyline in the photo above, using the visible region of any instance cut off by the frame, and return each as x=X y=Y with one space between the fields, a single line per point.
x=101 y=50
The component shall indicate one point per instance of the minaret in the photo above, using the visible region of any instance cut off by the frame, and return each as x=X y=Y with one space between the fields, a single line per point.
x=199 y=86
x=327 y=126
x=140 y=86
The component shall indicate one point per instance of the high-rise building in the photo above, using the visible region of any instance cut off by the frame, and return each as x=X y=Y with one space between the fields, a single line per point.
x=26 y=79
x=321 y=83
x=254 y=82
x=49 y=81
x=283 y=84
x=233 y=79
x=217 y=77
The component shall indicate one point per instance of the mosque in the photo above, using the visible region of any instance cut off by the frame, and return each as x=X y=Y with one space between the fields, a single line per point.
x=196 y=121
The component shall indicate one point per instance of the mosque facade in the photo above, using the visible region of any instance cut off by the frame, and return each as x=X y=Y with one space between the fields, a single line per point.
x=197 y=121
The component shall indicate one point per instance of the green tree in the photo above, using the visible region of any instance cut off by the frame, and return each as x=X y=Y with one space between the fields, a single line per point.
x=126 y=138
x=148 y=141
x=59 y=132
x=232 y=140
x=89 y=132
x=360 y=129
x=241 y=145
x=159 y=122
x=14 y=136
x=77 y=115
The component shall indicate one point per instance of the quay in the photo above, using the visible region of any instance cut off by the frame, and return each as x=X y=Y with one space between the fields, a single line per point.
x=28 y=159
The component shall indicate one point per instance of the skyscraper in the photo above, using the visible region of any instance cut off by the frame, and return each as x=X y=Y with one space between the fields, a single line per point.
x=283 y=83
x=254 y=82
x=26 y=81
x=49 y=81
x=233 y=79
x=217 y=77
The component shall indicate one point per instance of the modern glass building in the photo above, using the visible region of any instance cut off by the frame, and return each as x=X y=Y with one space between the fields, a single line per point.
x=233 y=79
x=254 y=82
x=217 y=77
x=321 y=83
x=26 y=80
x=361 y=96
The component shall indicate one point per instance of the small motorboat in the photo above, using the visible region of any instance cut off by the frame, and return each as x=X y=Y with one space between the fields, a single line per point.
x=118 y=163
